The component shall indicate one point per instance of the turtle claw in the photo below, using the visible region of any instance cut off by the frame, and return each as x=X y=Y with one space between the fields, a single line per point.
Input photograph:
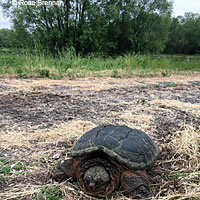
x=63 y=171
x=136 y=187
x=142 y=192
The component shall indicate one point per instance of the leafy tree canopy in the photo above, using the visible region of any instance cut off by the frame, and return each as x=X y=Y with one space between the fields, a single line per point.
x=184 y=35
x=106 y=27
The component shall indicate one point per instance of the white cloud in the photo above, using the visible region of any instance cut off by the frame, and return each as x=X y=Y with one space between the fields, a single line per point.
x=4 y=22
x=183 y=6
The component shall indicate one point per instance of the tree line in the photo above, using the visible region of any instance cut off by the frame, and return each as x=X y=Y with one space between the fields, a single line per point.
x=101 y=27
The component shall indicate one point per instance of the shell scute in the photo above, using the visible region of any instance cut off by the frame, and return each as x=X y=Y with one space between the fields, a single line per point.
x=128 y=146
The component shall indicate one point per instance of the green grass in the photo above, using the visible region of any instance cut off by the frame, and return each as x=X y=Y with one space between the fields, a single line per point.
x=72 y=66
x=198 y=83
x=49 y=193
x=144 y=86
x=159 y=85
x=8 y=167
x=171 y=85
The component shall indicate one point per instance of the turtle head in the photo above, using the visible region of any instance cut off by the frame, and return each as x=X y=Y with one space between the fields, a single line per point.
x=96 y=179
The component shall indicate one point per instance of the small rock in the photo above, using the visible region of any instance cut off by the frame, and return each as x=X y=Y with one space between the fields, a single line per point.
x=56 y=156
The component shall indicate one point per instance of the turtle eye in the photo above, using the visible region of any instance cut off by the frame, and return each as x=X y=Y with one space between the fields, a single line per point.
x=88 y=178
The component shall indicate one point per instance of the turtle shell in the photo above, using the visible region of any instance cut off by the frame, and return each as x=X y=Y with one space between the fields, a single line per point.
x=128 y=146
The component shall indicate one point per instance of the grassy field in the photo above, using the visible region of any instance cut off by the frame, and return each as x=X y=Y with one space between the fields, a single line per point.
x=69 y=65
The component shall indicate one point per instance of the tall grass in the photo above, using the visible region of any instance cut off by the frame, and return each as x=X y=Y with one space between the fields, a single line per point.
x=70 y=65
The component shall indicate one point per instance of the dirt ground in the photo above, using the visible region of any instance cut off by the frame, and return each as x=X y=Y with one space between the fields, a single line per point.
x=41 y=119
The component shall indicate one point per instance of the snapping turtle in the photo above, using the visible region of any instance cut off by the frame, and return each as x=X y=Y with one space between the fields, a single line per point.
x=111 y=158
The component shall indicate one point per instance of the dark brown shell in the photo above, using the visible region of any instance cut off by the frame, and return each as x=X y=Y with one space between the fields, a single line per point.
x=128 y=146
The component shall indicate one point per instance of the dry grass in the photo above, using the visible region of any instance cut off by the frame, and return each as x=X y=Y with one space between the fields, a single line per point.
x=16 y=191
x=38 y=146
x=175 y=176
x=134 y=118
x=188 y=107
x=95 y=83
x=187 y=147
x=64 y=132
x=184 y=166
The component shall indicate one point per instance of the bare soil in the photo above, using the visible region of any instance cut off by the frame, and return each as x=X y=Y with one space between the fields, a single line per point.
x=41 y=119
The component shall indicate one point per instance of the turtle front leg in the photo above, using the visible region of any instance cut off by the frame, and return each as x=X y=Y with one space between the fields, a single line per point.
x=65 y=170
x=135 y=185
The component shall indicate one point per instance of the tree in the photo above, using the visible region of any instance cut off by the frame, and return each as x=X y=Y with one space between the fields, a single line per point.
x=133 y=24
x=184 y=35
x=9 y=38
x=93 y=26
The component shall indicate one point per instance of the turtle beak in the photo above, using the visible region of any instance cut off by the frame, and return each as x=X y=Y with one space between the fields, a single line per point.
x=91 y=185
x=90 y=182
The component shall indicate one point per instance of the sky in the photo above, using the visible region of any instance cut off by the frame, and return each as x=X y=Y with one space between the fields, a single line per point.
x=179 y=8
